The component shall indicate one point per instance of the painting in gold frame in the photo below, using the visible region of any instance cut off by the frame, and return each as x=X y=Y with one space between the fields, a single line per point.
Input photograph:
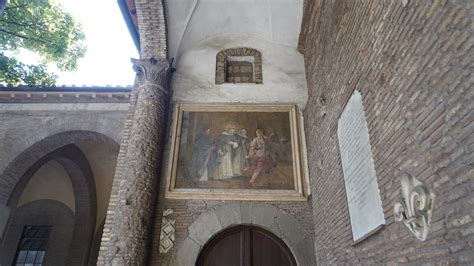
x=236 y=152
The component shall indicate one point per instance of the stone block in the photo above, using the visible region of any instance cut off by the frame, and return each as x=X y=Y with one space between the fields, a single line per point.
x=188 y=253
x=304 y=252
x=290 y=233
x=205 y=226
x=229 y=214
x=246 y=212
x=265 y=215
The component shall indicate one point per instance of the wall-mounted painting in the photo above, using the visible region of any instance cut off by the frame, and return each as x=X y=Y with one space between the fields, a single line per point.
x=236 y=152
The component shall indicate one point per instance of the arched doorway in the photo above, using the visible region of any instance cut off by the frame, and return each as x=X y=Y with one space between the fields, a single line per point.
x=245 y=245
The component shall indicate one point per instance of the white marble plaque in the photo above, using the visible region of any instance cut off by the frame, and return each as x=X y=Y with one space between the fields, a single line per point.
x=363 y=195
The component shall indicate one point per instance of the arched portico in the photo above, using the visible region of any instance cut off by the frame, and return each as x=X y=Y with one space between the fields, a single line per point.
x=61 y=149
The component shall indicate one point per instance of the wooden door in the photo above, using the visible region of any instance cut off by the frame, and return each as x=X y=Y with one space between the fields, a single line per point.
x=245 y=246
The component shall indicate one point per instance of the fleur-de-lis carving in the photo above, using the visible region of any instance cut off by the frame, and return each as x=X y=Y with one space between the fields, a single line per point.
x=415 y=206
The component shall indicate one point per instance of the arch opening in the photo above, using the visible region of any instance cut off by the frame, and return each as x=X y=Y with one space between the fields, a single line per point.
x=71 y=153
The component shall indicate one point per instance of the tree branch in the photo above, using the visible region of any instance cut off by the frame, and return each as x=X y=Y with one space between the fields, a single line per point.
x=17 y=23
x=22 y=36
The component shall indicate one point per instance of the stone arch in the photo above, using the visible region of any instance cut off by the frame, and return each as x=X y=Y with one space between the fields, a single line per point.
x=18 y=167
x=76 y=165
x=59 y=147
x=221 y=63
x=59 y=127
x=95 y=246
x=268 y=217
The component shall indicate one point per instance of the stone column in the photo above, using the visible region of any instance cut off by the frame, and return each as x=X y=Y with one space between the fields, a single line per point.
x=131 y=230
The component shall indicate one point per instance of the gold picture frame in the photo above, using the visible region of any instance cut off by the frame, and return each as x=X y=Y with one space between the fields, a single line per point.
x=213 y=157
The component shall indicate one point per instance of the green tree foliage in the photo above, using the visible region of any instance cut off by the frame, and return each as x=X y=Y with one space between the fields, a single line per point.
x=44 y=27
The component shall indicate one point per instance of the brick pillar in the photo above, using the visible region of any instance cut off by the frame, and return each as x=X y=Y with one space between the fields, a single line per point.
x=131 y=227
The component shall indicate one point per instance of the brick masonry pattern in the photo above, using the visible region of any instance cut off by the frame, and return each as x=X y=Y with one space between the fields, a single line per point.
x=413 y=66
x=152 y=31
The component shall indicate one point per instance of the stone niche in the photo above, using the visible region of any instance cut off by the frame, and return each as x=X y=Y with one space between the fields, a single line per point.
x=239 y=65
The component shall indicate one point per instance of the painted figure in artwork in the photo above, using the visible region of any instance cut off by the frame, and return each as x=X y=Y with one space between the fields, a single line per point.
x=221 y=161
x=258 y=155
x=272 y=145
x=202 y=149
x=239 y=158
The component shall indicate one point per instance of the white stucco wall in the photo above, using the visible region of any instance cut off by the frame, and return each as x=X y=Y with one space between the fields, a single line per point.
x=199 y=29
x=52 y=182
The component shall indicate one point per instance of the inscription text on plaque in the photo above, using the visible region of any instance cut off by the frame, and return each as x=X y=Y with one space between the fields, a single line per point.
x=365 y=205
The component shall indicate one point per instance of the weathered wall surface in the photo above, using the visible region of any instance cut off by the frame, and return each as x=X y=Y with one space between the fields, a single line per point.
x=24 y=124
x=40 y=212
x=283 y=81
x=199 y=30
x=413 y=66
x=32 y=124
x=187 y=212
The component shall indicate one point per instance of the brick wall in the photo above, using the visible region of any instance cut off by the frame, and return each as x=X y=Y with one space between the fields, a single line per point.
x=413 y=67
x=187 y=211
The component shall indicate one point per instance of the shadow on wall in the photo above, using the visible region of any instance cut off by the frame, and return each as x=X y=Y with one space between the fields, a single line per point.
x=67 y=227
x=51 y=213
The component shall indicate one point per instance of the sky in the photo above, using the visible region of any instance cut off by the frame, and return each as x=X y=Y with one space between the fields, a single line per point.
x=109 y=46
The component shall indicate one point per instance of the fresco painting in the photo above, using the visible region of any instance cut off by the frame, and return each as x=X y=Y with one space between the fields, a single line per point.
x=235 y=150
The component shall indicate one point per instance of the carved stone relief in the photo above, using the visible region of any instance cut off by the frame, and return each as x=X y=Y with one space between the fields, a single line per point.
x=167 y=231
x=415 y=206
x=154 y=71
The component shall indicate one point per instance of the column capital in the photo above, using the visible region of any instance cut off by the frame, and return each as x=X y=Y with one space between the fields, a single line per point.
x=153 y=71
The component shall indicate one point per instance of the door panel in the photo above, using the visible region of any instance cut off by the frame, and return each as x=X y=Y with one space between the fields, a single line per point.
x=245 y=246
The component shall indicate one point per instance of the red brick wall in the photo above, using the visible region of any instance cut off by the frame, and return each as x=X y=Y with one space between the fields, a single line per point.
x=413 y=67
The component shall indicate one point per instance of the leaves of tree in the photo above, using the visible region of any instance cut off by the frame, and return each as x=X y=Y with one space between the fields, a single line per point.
x=43 y=27
x=14 y=72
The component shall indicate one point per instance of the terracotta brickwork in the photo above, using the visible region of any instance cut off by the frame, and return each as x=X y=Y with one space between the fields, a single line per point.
x=413 y=66
x=152 y=28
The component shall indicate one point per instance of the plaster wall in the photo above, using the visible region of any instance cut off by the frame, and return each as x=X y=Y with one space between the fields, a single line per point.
x=51 y=182
x=24 y=124
x=198 y=30
x=102 y=159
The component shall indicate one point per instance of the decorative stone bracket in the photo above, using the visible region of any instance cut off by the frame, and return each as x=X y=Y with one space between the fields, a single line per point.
x=415 y=206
